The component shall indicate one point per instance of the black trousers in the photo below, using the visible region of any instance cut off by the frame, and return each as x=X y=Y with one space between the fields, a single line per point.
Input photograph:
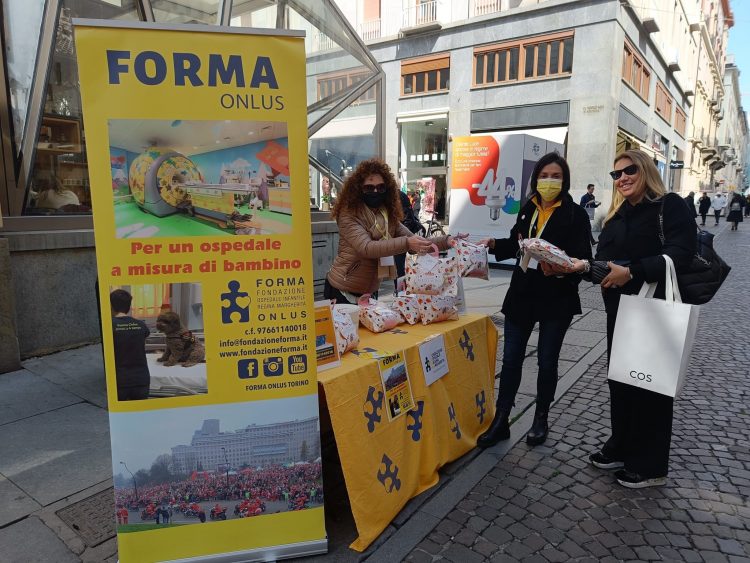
x=330 y=292
x=703 y=217
x=641 y=423
x=717 y=214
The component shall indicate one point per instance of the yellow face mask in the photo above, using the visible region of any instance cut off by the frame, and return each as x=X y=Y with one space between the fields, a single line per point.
x=549 y=188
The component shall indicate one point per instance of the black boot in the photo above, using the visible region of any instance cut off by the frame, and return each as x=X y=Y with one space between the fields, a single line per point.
x=498 y=430
x=539 y=429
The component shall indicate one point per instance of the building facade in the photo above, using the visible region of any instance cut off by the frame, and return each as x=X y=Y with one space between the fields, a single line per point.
x=256 y=445
x=732 y=135
x=599 y=76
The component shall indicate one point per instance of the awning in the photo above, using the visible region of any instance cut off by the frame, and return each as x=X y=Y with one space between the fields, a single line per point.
x=351 y=127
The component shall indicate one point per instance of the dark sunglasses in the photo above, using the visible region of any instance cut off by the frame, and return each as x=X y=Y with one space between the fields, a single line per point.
x=374 y=188
x=629 y=170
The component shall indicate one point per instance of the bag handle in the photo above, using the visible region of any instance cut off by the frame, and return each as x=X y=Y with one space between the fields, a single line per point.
x=672 y=289
x=647 y=290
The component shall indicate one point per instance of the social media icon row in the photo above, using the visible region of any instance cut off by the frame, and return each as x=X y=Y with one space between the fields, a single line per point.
x=271 y=366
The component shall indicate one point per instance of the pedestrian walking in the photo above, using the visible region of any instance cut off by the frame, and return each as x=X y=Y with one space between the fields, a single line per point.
x=704 y=204
x=690 y=201
x=747 y=205
x=630 y=252
x=735 y=210
x=544 y=295
x=718 y=203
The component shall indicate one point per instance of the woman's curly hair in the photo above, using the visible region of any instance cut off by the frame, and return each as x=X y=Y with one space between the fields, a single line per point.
x=350 y=199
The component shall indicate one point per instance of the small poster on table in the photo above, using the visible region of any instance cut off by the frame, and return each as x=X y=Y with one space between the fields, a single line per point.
x=434 y=359
x=326 y=347
x=396 y=384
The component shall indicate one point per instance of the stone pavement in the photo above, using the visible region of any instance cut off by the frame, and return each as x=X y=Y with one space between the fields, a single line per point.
x=548 y=504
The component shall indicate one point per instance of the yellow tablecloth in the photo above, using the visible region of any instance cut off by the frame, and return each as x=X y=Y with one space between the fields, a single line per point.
x=387 y=463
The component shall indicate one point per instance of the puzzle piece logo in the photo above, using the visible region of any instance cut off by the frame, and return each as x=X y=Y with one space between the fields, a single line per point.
x=480 y=400
x=416 y=416
x=466 y=345
x=373 y=416
x=398 y=331
x=234 y=299
x=427 y=366
x=455 y=428
x=390 y=473
x=357 y=351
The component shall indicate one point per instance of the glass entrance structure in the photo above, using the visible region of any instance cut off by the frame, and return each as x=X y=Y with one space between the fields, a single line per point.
x=44 y=163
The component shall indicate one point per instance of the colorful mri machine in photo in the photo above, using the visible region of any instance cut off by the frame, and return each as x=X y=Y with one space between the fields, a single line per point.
x=164 y=182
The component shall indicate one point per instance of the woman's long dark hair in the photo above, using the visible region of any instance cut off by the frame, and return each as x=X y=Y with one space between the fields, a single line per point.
x=551 y=158
x=350 y=199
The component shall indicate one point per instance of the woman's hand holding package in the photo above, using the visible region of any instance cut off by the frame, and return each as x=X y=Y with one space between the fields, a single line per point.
x=555 y=269
x=488 y=242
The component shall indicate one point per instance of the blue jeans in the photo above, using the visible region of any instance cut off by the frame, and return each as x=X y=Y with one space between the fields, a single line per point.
x=516 y=334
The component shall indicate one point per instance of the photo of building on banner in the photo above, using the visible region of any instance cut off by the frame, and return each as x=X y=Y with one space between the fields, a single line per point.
x=204 y=256
x=396 y=385
x=201 y=465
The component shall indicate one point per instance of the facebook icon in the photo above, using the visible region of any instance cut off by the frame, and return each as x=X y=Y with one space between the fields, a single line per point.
x=247 y=369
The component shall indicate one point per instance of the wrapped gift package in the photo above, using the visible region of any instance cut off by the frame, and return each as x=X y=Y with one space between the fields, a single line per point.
x=472 y=259
x=377 y=317
x=544 y=251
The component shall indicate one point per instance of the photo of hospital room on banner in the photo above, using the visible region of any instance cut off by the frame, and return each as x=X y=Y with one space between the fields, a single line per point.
x=198 y=178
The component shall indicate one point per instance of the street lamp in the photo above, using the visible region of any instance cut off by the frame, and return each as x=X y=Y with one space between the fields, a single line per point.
x=226 y=466
x=135 y=485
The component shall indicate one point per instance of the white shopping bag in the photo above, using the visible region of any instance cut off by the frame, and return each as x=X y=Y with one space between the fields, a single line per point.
x=653 y=338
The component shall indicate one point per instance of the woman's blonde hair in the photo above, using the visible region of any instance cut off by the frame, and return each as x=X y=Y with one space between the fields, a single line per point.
x=648 y=180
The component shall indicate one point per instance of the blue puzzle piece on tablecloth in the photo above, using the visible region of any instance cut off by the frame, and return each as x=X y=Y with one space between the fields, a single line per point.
x=390 y=473
x=481 y=410
x=466 y=345
x=375 y=399
x=416 y=416
x=456 y=429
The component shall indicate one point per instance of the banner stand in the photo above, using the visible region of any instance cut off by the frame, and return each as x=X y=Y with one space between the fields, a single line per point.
x=196 y=142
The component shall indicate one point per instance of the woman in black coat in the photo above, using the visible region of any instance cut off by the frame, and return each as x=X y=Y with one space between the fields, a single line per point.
x=545 y=295
x=630 y=252
x=735 y=210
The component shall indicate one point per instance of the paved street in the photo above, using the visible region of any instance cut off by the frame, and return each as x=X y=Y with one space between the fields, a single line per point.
x=549 y=504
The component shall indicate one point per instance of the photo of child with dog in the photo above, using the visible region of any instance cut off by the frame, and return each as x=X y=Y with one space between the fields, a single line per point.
x=158 y=340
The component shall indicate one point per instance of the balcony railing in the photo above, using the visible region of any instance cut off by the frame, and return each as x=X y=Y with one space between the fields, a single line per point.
x=420 y=14
x=484 y=7
x=321 y=42
x=371 y=30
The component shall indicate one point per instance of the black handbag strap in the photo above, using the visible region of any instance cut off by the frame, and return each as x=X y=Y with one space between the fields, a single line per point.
x=661 y=222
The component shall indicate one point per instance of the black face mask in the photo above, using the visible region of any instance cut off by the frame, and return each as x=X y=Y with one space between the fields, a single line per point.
x=374 y=200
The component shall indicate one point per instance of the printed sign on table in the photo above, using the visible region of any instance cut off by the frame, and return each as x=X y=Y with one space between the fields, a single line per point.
x=395 y=379
x=326 y=347
x=192 y=131
x=434 y=359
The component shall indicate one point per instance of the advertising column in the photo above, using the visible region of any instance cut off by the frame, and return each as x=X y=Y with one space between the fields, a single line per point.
x=197 y=152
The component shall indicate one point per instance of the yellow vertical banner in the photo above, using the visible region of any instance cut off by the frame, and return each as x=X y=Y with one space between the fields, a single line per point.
x=194 y=135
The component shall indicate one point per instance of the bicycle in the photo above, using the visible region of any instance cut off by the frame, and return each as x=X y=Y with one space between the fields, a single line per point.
x=433 y=228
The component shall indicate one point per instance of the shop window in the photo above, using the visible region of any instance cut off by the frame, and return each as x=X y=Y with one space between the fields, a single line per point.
x=425 y=75
x=635 y=72
x=59 y=178
x=536 y=57
x=331 y=84
x=663 y=103
x=680 y=122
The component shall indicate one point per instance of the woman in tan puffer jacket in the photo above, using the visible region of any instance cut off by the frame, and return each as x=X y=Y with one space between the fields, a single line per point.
x=369 y=215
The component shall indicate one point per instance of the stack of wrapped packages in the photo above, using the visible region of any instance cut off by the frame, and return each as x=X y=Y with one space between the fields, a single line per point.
x=431 y=283
x=430 y=294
